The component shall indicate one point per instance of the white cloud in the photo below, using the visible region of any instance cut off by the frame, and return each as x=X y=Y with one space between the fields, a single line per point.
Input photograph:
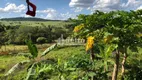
x=11 y=7
x=106 y=5
x=81 y=3
x=131 y=4
x=109 y=5
x=78 y=9
x=60 y=16
x=48 y=10
x=41 y=16
x=139 y=7
x=27 y=16
x=54 y=14
x=1 y=17
x=24 y=15
x=50 y=13
x=65 y=16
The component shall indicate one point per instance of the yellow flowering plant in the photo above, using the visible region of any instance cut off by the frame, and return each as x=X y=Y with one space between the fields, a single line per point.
x=115 y=31
x=90 y=42
x=78 y=28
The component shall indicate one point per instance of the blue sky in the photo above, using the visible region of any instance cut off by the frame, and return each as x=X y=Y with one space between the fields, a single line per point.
x=64 y=9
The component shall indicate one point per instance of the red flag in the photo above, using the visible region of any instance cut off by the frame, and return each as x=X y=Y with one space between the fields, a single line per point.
x=29 y=12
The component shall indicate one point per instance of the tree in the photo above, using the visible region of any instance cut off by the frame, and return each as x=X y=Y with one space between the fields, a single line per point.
x=49 y=27
x=2 y=34
x=116 y=28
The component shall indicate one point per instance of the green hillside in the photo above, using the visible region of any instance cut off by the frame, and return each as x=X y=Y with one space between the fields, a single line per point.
x=26 y=19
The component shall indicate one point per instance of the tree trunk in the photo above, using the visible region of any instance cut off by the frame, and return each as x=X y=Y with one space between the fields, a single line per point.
x=116 y=65
x=123 y=63
x=92 y=56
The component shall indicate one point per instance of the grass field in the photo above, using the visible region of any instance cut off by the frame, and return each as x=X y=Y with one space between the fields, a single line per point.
x=6 y=62
x=35 y=23
x=63 y=53
x=20 y=48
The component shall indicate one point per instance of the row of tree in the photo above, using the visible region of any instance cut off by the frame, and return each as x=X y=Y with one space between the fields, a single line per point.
x=38 y=34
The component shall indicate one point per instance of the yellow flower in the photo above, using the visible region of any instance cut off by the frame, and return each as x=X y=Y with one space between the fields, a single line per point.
x=108 y=38
x=139 y=35
x=78 y=28
x=90 y=42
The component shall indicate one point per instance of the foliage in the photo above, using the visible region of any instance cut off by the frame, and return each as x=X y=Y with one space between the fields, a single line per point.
x=16 y=33
x=109 y=36
x=34 y=52
x=41 y=40
x=8 y=61
x=76 y=67
x=79 y=63
x=120 y=28
x=79 y=27
x=15 y=67
x=32 y=48
x=30 y=72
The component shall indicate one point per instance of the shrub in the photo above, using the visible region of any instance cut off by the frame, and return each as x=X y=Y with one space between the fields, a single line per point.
x=41 y=40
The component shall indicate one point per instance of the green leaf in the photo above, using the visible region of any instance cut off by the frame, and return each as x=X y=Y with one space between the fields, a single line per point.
x=16 y=67
x=110 y=49
x=133 y=49
x=91 y=74
x=30 y=72
x=49 y=49
x=32 y=48
x=71 y=69
x=46 y=69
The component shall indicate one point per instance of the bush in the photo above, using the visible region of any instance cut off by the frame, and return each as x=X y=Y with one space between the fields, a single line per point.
x=41 y=40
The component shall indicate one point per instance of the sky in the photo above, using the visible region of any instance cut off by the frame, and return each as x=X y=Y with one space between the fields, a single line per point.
x=64 y=9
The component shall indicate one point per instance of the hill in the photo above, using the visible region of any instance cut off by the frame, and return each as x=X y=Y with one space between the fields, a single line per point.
x=25 y=19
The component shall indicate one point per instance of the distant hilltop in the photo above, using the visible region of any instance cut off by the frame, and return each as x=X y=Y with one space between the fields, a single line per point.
x=26 y=19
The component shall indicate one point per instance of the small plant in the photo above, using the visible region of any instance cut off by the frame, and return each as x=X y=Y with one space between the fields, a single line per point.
x=32 y=48
x=34 y=60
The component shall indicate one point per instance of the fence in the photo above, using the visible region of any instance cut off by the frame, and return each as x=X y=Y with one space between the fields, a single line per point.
x=64 y=42
x=70 y=41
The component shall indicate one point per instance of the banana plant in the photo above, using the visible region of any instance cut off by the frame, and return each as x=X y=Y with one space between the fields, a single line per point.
x=63 y=70
x=106 y=53
x=32 y=48
x=34 y=54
